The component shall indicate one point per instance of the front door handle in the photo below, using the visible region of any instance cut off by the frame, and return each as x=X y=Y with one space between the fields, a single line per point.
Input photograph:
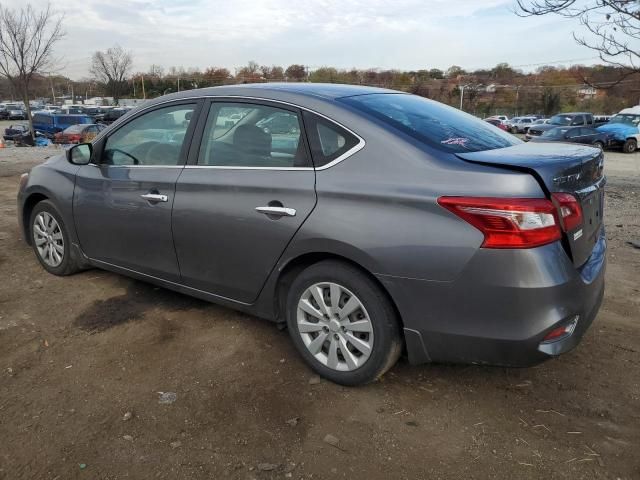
x=155 y=197
x=277 y=211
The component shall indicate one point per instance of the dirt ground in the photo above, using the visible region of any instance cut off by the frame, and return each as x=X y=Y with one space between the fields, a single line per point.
x=83 y=360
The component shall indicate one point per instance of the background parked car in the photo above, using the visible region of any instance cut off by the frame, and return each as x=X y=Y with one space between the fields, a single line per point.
x=623 y=129
x=498 y=123
x=522 y=125
x=574 y=119
x=111 y=116
x=81 y=133
x=16 y=113
x=49 y=124
x=16 y=131
x=584 y=135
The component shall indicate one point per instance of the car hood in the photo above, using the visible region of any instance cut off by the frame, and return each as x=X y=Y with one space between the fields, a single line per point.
x=619 y=130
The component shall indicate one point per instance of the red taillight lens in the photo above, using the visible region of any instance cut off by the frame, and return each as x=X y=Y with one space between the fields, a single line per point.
x=508 y=222
x=569 y=209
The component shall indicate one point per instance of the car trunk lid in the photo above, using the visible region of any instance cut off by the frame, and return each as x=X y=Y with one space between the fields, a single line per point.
x=573 y=169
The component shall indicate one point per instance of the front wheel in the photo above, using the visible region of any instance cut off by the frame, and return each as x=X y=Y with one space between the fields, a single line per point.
x=342 y=323
x=630 y=146
x=50 y=240
x=599 y=145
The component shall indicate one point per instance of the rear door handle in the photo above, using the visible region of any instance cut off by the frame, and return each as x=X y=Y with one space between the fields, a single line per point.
x=155 y=197
x=277 y=211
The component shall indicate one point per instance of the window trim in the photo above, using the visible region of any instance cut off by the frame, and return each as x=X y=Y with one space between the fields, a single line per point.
x=200 y=99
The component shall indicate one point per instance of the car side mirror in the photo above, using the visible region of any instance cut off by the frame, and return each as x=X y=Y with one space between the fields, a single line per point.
x=80 y=154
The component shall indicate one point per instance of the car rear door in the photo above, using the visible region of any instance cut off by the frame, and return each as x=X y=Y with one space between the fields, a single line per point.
x=242 y=197
x=123 y=199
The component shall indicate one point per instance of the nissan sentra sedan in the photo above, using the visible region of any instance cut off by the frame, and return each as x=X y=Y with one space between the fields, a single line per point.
x=376 y=223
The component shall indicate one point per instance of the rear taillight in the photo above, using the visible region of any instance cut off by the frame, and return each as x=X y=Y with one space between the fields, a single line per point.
x=569 y=209
x=508 y=222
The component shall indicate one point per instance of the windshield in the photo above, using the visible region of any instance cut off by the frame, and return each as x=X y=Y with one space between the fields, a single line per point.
x=626 y=119
x=555 y=133
x=433 y=123
x=560 y=120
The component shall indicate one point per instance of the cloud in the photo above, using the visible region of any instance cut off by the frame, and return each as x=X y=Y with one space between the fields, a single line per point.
x=344 y=33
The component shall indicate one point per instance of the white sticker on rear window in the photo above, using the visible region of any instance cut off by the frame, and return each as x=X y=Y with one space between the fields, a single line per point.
x=455 y=141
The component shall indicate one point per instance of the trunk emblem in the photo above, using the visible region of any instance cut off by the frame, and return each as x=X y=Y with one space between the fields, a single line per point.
x=566 y=179
x=577 y=235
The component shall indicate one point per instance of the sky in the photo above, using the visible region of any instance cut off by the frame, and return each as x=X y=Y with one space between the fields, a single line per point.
x=392 y=34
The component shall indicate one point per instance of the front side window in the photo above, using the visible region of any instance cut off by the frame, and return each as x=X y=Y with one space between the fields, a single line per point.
x=154 y=138
x=432 y=123
x=252 y=135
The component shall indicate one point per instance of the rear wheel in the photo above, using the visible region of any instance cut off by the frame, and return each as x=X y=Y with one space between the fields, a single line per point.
x=342 y=324
x=630 y=146
x=50 y=240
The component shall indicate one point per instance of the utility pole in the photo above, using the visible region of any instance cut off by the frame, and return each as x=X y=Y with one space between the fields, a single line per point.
x=144 y=95
x=462 y=87
x=53 y=93
x=178 y=83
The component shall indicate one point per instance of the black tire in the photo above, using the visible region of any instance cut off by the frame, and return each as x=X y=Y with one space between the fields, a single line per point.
x=599 y=145
x=514 y=130
x=68 y=265
x=387 y=344
x=630 y=146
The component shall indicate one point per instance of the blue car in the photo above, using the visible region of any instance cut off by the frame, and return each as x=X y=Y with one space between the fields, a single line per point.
x=623 y=129
x=49 y=124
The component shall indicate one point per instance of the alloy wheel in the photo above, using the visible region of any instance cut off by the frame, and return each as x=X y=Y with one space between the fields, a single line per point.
x=48 y=239
x=335 y=326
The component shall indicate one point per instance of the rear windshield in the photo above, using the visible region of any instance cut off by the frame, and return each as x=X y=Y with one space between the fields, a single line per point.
x=433 y=123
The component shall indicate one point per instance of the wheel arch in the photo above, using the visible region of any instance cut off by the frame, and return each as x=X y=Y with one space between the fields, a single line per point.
x=293 y=267
x=29 y=204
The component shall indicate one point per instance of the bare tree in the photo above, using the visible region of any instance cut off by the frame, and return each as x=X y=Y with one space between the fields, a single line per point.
x=112 y=68
x=27 y=38
x=613 y=26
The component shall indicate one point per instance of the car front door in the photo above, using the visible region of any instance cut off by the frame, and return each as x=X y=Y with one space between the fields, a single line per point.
x=241 y=198
x=123 y=199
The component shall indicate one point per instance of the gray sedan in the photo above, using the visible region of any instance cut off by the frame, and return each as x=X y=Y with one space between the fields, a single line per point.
x=375 y=223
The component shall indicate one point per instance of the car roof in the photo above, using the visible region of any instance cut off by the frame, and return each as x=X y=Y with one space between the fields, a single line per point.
x=278 y=91
x=575 y=113
x=633 y=110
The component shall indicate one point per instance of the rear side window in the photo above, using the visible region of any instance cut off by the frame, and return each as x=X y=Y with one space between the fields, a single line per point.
x=328 y=141
x=249 y=135
x=437 y=125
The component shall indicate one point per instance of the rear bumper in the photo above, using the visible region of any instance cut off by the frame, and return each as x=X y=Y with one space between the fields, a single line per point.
x=501 y=307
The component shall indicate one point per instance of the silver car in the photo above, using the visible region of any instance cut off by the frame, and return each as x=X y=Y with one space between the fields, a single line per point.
x=373 y=223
